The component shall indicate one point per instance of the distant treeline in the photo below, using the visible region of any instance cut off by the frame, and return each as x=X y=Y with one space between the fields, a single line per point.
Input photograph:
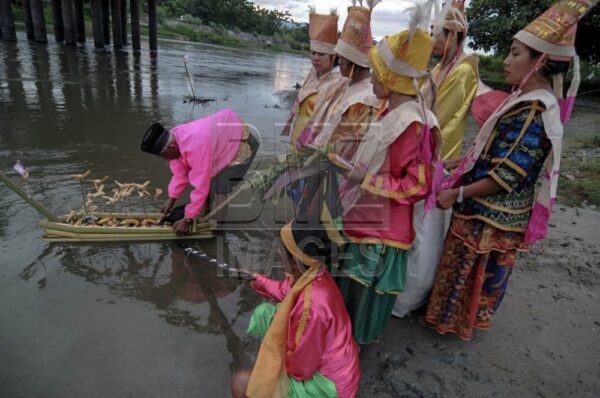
x=241 y=15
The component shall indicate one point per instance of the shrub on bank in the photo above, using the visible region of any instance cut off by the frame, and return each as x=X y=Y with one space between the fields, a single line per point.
x=189 y=19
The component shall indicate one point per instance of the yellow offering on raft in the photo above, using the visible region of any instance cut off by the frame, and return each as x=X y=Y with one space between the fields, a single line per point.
x=116 y=227
x=93 y=226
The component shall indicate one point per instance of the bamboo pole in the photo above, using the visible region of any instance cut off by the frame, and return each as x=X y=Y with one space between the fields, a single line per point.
x=152 y=25
x=39 y=21
x=7 y=21
x=34 y=203
x=124 y=21
x=28 y=20
x=135 y=24
x=115 y=11
x=189 y=79
x=68 y=21
x=106 y=21
x=79 y=22
x=96 y=8
x=59 y=28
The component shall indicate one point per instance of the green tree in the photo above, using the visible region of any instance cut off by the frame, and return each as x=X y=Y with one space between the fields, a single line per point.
x=493 y=23
x=174 y=8
x=242 y=14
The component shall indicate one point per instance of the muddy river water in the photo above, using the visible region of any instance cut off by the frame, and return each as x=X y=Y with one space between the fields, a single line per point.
x=121 y=320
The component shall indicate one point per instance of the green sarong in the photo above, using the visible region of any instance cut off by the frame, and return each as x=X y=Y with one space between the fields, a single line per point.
x=317 y=386
x=372 y=277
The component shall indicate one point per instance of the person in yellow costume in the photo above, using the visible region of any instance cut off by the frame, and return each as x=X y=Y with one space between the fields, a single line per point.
x=346 y=110
x=322 y=31
x=455 y=79
x=323 y=38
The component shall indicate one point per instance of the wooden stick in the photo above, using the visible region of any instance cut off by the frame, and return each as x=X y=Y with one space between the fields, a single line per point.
x=34 y=203
x=221 y=205
x=187 y=73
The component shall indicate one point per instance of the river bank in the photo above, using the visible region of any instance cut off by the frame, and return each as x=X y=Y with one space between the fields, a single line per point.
x=543 y=341
x=173 y=29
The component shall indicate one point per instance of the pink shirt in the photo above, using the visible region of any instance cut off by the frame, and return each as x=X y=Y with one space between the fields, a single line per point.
x=207 y=146
x=385 y=211
x=326 y=344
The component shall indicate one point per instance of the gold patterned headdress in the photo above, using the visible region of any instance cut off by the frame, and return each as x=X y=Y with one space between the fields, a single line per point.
x=356 y=40
x=452 y=18
x=553 y=34
x=400 y=61
x=322 y=30
x=455 y=17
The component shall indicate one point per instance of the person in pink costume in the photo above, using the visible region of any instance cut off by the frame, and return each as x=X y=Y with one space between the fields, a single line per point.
x=321 y=356
x=212 y=154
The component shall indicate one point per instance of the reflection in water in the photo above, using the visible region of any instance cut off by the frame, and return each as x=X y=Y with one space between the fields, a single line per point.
x=136 y=77
x=144 y=272
x=111 y=320
x=14 y=88
x=61 y=90
x=40 y=60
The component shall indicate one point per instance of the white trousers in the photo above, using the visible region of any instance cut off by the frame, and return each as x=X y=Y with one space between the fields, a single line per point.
x=423 y=257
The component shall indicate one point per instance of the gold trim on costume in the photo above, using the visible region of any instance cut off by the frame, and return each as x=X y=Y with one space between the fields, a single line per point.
x=367 y=186
x=526 y=125
x=520 y=109
x=510 y=164
x=304 y=316
x=379 y=241
x=244 y=151
x=494 y=249
x=533 y=108
x=500 y=181
x=488 y=221
x=332 y=232
x=367 y=285
x=500 y=208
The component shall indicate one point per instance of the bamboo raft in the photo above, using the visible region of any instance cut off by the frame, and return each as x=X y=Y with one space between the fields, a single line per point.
x=61 y=229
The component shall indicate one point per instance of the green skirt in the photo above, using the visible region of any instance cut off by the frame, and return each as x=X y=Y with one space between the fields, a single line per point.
x=317 y=386
x=372 y=277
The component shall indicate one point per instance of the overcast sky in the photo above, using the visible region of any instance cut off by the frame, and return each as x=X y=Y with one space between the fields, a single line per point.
x=389 y=16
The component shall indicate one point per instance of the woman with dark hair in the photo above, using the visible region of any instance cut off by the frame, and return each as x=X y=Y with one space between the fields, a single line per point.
x=492 y=190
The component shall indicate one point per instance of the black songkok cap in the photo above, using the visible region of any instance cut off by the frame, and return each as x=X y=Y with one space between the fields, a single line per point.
x=155 y=139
